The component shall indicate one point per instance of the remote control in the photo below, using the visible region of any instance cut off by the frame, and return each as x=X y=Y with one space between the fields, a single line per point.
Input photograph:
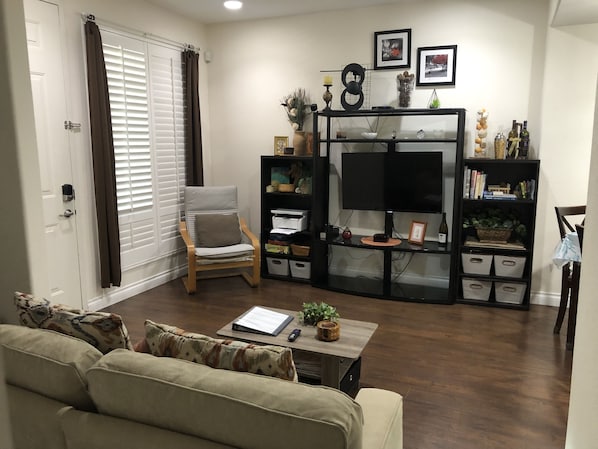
x=294 y=335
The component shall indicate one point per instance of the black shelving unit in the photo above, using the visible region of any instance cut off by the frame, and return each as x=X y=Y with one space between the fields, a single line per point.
x=494 y=288
x=388 y=285
x=285 y=200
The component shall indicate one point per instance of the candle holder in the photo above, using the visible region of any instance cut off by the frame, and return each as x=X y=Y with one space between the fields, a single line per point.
x=327 y=96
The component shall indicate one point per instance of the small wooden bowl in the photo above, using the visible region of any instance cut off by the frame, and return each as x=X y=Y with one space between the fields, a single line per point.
x=328 y=330
x=286 y=188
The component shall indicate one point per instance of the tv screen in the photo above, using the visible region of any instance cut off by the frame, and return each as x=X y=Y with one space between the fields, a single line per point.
x=413 y=182
x=402 y=182
x=363 y=181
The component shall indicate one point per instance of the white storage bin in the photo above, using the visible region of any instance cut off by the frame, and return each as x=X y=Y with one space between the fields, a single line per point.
x=279 y=267
x=289 y=219
x=509 y=292
x=509 y=266
x=476 y=289
x=300 y=269
x=476 y=263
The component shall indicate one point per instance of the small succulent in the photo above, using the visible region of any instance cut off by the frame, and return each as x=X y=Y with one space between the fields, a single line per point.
x=313 y=312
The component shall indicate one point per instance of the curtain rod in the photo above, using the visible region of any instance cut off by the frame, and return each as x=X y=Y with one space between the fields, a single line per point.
x=163 y=40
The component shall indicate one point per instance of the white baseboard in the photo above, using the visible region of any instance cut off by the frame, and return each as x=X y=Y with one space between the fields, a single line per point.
x=115 y=296
x=545 y=299
x=111 y=297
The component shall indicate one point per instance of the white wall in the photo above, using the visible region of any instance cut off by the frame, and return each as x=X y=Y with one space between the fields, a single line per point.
x=582 y=431
x=21 y=234
x=508 y=61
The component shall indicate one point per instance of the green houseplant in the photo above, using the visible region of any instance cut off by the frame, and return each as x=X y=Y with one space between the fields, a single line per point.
x=313 y=312
x=495 y=218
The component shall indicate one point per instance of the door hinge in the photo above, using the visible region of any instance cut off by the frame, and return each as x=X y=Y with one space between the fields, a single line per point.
x=71 y=125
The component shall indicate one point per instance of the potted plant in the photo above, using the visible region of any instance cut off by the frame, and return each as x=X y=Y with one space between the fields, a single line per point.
x=494 y=224
x=324 y=317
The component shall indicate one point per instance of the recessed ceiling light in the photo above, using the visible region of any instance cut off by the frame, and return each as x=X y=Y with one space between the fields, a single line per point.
x=233 y=4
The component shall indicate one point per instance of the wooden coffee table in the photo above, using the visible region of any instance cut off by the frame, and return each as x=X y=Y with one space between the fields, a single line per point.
x=336 y=357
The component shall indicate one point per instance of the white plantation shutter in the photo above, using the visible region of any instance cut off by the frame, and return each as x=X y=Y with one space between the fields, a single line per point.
x=166 y=75
x=146 y=102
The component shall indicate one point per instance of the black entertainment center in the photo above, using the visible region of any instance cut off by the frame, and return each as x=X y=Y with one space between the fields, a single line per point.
x=400 y=174
x=356 y=180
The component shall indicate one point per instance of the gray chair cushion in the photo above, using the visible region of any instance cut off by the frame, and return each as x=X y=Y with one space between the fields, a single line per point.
x=216 y=230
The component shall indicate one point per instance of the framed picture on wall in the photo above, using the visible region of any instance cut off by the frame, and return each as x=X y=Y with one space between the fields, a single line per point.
x=436 y=66
x=280 y=143
x=417 y=233
x=392 y=49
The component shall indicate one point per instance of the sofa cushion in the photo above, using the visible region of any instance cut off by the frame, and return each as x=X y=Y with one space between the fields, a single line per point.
x=105 y=331
x=215 y=230
x=48 y=363
x=170 y=341
x=239 y=409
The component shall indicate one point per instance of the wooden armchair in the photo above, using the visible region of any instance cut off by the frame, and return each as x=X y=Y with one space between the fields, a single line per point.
x=218 y=241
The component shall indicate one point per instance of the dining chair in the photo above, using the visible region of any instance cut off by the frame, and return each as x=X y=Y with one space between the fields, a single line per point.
x=580 y=228
x=569 y=282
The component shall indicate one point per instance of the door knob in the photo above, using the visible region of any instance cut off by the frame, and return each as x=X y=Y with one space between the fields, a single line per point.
x=67 y=213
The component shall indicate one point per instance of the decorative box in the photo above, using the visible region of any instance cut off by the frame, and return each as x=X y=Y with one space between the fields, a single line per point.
x=476 y=289
x=509 y=266
x=476 y=263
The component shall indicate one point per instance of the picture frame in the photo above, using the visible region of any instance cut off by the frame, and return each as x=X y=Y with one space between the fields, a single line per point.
x=392 y=49
x=280 y=143
x=417 y=233
x=436 y=66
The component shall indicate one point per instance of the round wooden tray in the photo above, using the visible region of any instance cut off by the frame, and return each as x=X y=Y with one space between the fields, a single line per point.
x=370 y=241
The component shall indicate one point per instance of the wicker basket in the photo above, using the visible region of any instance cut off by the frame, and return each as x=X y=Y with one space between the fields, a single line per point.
x=287 y=188
x=299 y=250
x=493 y=235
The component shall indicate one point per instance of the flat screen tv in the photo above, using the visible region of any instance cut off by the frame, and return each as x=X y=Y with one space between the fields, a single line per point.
x=401 y=181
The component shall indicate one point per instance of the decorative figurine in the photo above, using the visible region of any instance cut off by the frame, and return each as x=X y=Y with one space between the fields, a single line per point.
x=347 y=234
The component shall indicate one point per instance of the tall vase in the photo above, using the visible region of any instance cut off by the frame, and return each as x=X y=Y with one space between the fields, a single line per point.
x=299 y=143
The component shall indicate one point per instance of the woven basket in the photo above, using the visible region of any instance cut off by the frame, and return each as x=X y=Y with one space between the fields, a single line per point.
x=493 y=235
x=299 y=250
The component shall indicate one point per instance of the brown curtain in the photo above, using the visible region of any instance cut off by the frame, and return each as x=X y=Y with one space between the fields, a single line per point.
x=102 y=147
x=193 y=149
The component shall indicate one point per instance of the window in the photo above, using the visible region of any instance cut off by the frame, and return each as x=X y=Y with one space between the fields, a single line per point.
x=145 y=84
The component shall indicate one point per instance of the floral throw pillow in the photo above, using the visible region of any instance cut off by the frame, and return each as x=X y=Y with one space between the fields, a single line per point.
x=105 y=331
x=170 y=341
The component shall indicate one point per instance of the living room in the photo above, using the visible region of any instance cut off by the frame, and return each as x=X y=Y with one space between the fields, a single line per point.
x=510 y=61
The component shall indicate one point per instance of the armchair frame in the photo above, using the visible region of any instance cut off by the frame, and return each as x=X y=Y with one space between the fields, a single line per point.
x=220 y=269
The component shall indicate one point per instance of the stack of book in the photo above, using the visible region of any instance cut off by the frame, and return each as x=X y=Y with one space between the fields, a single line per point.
x=474 y=184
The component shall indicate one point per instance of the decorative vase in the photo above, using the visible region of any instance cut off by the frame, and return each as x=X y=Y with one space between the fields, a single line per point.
x=405 y=82
x=299 y=143
x=328 y=330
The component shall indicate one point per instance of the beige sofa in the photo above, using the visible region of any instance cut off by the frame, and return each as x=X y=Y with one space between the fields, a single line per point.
x=63 y=393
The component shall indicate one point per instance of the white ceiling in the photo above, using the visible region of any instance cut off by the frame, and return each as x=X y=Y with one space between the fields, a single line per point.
x=212 y=11
x=576 y=12
x=569 y=12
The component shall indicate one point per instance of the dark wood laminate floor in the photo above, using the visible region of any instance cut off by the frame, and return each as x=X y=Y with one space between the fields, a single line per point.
x=471 y=377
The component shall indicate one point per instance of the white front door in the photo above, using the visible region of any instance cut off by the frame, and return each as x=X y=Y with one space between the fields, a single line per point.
x=42 y=21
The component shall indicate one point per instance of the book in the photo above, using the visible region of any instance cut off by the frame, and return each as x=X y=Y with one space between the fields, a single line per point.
x=466 y=181
x=259 y=320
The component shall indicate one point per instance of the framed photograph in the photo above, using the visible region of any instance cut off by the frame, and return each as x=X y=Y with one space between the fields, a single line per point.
x=417 y=233
x=436 y=66
x=280 y=143
x=392 y=49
